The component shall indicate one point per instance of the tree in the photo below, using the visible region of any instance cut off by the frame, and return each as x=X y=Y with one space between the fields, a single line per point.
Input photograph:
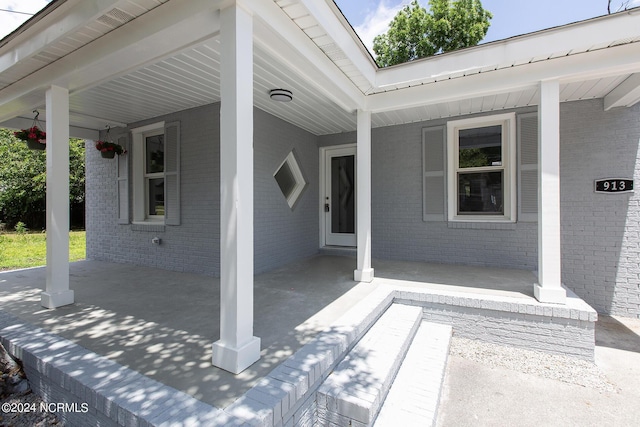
x=23 y=179
x=415 y=33
x=623 y=6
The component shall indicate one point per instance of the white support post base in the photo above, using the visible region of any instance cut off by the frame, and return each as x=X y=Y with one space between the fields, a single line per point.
x=56 y=299
x=363 y=275
x=553 y=295
x=236 y=359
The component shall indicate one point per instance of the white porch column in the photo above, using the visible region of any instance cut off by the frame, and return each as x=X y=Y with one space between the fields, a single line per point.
x=57 y=291
x=237 y=348
x=364 y=272
x=549 y=287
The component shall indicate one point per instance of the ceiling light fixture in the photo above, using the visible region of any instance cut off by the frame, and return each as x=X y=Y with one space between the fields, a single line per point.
x=281 y=95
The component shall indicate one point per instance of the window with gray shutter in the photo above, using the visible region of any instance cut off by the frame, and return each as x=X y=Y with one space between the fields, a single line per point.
x=123 y=182
x=528 y=167
x=172 y=173
x=433 y=165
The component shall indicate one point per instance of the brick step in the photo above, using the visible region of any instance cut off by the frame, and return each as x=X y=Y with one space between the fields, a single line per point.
x=414 y=396
x=353 y=393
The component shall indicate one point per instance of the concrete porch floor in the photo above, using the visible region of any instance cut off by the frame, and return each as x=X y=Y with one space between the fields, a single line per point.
x=162 y=323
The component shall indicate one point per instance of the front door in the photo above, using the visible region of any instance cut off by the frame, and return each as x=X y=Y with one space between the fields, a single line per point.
x=339 y=202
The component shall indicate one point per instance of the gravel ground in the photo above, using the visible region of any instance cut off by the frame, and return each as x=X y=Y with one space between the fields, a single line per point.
x=551 y=366
x=35 y=418
x=19 y=406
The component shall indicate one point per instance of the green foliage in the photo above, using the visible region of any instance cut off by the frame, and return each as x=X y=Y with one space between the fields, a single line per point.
x=416 y=33
x=21 y=227
x=23 y=179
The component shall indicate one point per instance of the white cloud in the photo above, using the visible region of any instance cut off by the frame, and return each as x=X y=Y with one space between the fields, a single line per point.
x=10 y=21
x=377 y=22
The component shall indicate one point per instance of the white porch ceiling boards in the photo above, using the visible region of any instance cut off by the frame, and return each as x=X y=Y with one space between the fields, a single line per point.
x=186 y=80
x=65 y=33
x=574 y=91
x=192 y=79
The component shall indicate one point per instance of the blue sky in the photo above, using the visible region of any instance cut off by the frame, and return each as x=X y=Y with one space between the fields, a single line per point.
x=510 y=17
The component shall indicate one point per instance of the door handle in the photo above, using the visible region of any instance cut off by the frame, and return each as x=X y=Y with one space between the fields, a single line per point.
x=326 y=207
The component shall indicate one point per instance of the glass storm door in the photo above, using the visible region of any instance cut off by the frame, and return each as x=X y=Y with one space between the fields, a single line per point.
x=340 y=197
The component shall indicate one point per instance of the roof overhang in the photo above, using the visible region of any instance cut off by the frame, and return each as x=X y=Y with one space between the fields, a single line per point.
x=124 y=62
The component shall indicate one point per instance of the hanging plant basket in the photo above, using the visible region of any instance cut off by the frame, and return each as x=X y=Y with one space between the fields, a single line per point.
x=35 y=145
x=35 y=137
x=108 y=149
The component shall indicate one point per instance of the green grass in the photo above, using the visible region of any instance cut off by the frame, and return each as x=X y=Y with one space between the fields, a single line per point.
x=30 y=249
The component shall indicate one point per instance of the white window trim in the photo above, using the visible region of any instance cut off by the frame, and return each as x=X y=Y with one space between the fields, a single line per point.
x=508 y=122
x=297 y=175
x=139 y=177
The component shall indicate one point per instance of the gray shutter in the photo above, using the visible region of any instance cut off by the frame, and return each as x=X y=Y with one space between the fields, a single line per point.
x=123 y=181
x=528 y=167
x=433 y=167
x=172 y=173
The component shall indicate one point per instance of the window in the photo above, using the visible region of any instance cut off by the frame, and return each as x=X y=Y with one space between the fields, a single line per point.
x=154 y=174
x=155 y=159
x=290 y=180
x=481 y=164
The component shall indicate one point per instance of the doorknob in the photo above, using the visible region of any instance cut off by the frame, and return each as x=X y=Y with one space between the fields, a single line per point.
x=326 y=207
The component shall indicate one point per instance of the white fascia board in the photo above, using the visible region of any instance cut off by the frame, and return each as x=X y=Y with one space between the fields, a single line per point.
x=623 y=59
x=59 y=23
x=543 y=44
x=626 y=94
x=344 y=38
x=282 y=38
x=160 y=33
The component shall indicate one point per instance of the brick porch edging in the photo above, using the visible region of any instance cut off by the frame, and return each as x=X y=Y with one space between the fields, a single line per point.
x=61 y=371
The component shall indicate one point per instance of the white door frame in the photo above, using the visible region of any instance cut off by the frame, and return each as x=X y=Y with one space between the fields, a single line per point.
x=325 y=174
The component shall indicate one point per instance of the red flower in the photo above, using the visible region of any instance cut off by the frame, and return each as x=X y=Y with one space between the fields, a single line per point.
x=106 y=146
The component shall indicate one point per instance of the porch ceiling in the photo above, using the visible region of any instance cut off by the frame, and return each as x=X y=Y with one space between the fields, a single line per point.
x=571 y=91
x=192 y=78
x=161 y=56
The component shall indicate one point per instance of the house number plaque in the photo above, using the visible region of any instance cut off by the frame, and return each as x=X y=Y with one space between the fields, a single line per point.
x=614 y=185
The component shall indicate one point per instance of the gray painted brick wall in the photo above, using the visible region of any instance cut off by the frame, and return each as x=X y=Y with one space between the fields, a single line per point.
x=600 y=232
x=398 y=229
x=282 y=234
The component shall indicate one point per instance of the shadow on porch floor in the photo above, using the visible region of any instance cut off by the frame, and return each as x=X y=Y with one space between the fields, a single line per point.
x=162 y=323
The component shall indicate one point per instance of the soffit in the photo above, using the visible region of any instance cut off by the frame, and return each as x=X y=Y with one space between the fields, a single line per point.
x=571 y=91
x=515 y=55
x=112 y=19
x=328 y=43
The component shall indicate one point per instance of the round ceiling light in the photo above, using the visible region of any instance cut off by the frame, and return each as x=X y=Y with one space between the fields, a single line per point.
x=281 y=95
